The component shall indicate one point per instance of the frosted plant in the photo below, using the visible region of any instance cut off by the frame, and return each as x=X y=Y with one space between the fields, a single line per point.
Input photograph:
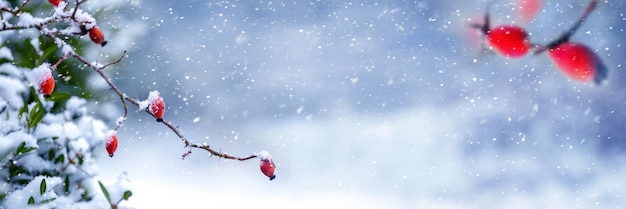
x=49 y=144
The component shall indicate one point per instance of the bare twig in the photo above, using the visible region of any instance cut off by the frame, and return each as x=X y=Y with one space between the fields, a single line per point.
x=17 y=10
x=78 y=3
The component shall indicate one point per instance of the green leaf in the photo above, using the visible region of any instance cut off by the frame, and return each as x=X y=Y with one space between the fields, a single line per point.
x=48 y=48
x=60 y=159
x=66 y=185
x=16 y=170
x=21 y=149
x=127 y=194
x=52 y=153
x=23 y=110
x=104 y=190
x=48 y=200
x=36 y=114
x=27 y=55
x=31 y=200
x=42 y=187
x=59 y=97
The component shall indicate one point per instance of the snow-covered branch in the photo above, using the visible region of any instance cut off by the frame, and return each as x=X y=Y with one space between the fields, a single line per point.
x=100 y=70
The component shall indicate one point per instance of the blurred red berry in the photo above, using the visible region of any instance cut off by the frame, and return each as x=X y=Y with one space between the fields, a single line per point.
x=55 y=3
x=510 y=41
x=96 y=36
x=528 y=9
x=578 y=62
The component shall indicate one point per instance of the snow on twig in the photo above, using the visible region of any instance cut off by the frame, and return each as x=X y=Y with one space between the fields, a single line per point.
x=123 y=97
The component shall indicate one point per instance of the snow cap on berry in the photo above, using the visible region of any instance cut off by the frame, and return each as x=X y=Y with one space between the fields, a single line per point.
x=151 y=96
x=41 y=72
x=264 y=155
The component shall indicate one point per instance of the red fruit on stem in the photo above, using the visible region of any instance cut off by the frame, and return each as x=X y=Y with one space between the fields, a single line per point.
x=43 y=78
x=46 y=85
x=55 y=3
x=509 y=41
x=157 y=105
x=96 y=36
x=111 y=144
x=267 y=165
x=578 y=62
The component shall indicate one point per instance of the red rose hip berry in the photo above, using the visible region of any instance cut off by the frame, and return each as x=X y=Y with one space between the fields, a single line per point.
x=95 y=34
x=267 y=165
x=110 y=143
x=157 y=105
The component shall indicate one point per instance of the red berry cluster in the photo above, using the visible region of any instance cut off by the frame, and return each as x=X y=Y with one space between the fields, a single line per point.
x=575 y=60
x=46 y=82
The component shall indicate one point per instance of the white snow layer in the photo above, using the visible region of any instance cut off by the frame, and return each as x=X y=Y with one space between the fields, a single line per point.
x=264 y=155
x=6 y=53
x=153 y=95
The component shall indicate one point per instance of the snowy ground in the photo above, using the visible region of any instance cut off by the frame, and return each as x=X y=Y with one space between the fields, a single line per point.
x=371 y=104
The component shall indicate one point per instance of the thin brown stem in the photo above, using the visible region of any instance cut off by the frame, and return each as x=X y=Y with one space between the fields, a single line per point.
x=76 y=9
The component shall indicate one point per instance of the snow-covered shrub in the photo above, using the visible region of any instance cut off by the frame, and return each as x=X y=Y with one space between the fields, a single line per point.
x=49 y=144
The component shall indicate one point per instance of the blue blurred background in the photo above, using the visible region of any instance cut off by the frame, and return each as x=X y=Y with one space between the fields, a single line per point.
x=367 y=104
